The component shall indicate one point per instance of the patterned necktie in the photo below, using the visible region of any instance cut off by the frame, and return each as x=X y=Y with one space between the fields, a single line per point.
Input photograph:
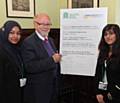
x=48 y=47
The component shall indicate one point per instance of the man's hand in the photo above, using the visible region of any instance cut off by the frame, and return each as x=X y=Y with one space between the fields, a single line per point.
x=57 y=57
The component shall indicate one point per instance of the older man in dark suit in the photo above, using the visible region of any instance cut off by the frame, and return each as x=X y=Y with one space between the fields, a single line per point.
x=41 y=60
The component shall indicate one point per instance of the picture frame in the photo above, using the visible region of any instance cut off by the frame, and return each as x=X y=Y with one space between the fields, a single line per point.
x=20 y=8
x=82 y=3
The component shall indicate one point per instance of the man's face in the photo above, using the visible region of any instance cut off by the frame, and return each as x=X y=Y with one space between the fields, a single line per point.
x=43 y=25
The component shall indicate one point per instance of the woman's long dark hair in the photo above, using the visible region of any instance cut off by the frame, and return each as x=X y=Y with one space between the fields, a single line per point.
x=104 y=47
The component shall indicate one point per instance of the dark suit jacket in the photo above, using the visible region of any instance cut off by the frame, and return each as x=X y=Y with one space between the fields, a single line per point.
x=40 y=70
x=10 y=91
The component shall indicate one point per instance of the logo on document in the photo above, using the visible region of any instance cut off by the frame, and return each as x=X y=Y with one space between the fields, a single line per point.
x=65 y=15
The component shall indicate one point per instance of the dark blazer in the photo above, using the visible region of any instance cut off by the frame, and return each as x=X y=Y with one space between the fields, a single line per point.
x=40 y=70
x=113 y=75
x=10 y=91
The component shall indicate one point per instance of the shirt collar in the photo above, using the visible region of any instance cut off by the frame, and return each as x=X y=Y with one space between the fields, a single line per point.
x=39 y=35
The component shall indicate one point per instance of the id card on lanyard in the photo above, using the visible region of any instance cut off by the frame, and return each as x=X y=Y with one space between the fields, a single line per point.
x=103 y=83
x=22 y=82
x=102 y=86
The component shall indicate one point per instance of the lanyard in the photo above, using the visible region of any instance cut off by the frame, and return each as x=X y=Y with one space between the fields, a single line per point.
x=105 y=63
x=104 y=76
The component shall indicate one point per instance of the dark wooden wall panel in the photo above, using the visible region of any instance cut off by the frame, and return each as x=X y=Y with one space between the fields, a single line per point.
x=54 y=33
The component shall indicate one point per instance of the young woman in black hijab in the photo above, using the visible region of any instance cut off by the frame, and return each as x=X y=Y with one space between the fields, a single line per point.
x=11 y=65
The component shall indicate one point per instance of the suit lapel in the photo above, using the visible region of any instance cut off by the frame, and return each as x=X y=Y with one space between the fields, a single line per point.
x=39 y=45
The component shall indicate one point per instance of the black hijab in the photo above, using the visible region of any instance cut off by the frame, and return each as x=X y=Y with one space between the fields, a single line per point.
x=12 y=49
x=5 y=30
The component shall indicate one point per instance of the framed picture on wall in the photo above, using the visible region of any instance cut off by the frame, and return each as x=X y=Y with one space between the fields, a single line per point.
x=20 y=8
x=83 y=3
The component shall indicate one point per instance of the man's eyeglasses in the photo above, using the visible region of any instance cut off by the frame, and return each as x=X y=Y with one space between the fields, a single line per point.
x=43 y=24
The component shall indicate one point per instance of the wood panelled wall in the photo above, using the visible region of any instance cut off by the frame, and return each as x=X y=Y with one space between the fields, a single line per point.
x=73 y=88
x=54 y=33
